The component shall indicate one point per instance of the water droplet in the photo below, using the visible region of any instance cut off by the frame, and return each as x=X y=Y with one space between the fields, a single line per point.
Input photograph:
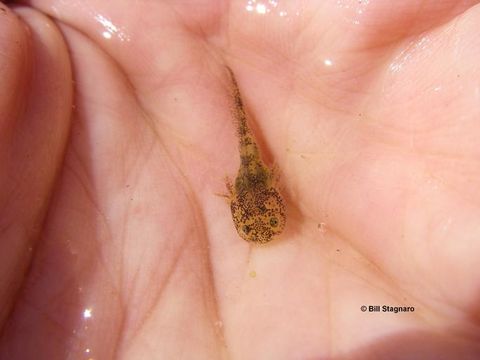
x=261 y=8
x=328 y=62
x=87 y=313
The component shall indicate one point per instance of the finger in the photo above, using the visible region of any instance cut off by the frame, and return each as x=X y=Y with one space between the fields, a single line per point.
x=35 y=102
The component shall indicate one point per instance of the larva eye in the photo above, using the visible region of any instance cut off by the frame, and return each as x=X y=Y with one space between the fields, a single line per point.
x=246 y=229
x=274 y=222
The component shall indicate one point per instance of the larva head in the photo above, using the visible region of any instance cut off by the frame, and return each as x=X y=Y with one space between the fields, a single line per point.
x=259 y=216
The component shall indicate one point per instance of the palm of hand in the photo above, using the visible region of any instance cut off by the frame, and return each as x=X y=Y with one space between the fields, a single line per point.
x=375 y=133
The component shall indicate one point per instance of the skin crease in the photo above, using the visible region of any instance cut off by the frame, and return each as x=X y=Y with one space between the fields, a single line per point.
x=116 y=133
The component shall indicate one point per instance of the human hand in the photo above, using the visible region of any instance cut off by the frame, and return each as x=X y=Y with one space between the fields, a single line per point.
x=116 y=134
